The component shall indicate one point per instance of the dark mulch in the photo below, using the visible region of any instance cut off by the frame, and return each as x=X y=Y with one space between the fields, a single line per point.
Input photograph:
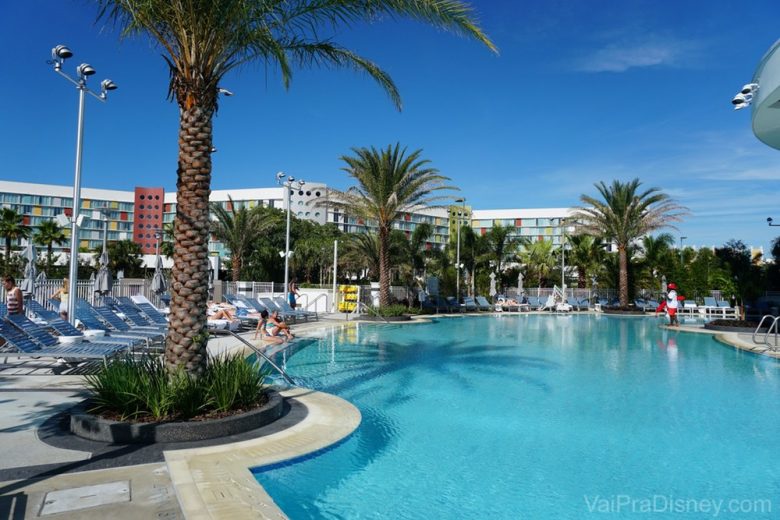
x=734 y=323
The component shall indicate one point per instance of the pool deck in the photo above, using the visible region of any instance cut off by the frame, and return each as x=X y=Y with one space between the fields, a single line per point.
x=39 y=477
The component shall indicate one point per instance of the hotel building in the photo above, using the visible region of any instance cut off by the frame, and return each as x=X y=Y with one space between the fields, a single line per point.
x=137 y=214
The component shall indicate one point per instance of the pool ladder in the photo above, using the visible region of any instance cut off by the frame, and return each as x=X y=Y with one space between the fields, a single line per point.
x=772 y=329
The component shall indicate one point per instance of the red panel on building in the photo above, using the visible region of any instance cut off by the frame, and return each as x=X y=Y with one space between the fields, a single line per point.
x=518 y=222
x=148 y=217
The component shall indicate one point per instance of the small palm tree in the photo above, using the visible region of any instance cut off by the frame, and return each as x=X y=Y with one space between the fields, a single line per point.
x=624 y=214
x=202 y=41
x=390 y=183
x=12 y=228
x=586 y=254
x=539 y=258
x=502 y=246
x=237 y=229
x=48 y=234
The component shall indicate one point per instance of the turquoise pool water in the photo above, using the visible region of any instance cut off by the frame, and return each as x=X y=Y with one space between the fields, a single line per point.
x=538 y=417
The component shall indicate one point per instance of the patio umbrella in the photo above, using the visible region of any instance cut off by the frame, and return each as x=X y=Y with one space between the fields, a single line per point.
x=663 y=284
x=158 y=280
x=103 y=280
x=30 y=271
x=492 y=285
x=519 y=284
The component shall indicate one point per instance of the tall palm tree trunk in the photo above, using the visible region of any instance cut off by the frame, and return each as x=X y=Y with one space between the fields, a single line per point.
x=7 y=248
x=384 y=267
x=581 y=275
x=236 y=261
x=623 y=258
x=188 y=334
x=49 y=252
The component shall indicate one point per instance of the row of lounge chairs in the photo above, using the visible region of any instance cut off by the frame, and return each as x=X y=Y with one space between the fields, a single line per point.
x=43 y=338
x=278 y=304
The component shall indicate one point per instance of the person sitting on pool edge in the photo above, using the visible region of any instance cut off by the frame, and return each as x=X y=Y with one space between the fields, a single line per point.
x=268 y=335
x=277 y=326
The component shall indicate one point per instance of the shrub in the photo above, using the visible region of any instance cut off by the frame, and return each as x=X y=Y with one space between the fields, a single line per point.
x=391 y=311
x=143 y=389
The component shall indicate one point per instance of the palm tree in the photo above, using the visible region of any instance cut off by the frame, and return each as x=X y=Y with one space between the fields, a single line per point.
x=502 y=246
x=12 y=228
x=625 y=214
x=362 y=251
x=203 y=40
x=586 y=254
x=656 y=257
x=539 y=259
x=389 y=184
x=48 y=234
x=237 y=229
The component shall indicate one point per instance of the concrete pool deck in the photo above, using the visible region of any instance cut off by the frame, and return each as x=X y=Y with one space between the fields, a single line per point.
x=41 y=478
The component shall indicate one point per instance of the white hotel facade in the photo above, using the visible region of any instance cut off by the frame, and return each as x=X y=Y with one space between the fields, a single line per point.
x=136 y=214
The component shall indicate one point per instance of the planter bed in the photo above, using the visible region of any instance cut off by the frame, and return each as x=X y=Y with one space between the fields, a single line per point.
x=97 y=428
x=734 y=326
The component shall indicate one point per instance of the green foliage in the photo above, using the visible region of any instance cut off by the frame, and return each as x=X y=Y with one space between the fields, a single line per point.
x=144 y=388
x=123 y=255
x=392 y=311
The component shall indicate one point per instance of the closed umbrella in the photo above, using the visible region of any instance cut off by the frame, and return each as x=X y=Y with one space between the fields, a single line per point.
x=30 y=271
x=103 y=279
x=158 y=280
x=663 y=284
x=492 y=285
x=519 y=284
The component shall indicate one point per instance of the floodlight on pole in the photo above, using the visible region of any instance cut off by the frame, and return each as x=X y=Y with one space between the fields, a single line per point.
x=459 y=214
x=59 y=54
x=287 y=185
x=769 y=221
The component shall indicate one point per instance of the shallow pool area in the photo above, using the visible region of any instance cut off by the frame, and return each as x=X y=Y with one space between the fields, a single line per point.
x=531 y=416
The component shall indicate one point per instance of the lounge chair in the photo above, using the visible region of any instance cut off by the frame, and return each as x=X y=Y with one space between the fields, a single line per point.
x=727 y=309
x=45 y=345
x=53 y=321
x=147 y=308
x=285 y=307
x=133 y=315
x=483 y=304
x=446 y=305
x=271 y=305
x=689 y=307
x=549 y=304
x=711 y=306
x=106 y=320
x=469 y=304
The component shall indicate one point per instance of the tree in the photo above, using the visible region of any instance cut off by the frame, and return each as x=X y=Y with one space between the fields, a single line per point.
x=361 y=251
x=123 y=255
x=237 y=229
x=586 y=254
x=539 y=260
x=390 y=182
x=48 y=234
x=657 y=259
x=501 y=245
x=203 y=40
x=736 y=255
x=12 y=228
x=625 y=214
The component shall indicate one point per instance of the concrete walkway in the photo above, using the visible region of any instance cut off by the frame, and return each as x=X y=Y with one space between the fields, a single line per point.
x=46 y=472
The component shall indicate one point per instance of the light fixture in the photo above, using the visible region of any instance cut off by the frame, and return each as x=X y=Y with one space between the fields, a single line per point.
x=224 y=91
x=769 y=221
x=750 y=88
x=107 y=85
x=59 y=54
x=85 y=69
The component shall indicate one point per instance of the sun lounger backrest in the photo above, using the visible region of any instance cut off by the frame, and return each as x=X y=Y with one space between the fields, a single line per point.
x=133 y=315
x=3 y=309
x=90 y=319
x=17 y=338
x=36 y=332
x=112 y=319
x=155 y=315
x=64 y=328
x=41 y=311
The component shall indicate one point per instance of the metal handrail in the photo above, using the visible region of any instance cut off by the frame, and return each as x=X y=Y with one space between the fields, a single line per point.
x=774 y=326
x=256 y=351
x=325 y=295
x=370 y=309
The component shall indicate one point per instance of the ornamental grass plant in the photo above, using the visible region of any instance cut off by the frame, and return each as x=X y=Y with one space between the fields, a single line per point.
x=130 y=389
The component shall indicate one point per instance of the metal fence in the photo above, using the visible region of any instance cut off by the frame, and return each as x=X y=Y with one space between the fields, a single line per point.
x=44 y=290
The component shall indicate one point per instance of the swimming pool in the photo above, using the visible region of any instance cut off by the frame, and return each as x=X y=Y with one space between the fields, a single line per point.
x=536 y=417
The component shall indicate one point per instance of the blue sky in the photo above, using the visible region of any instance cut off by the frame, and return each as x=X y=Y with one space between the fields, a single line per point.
x=582 y=91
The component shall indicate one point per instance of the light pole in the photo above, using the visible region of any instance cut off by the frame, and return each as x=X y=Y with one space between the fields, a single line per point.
x=59 y=54
x=459 y=214
x=681 y=250
x=287 y=185
x=104 y=213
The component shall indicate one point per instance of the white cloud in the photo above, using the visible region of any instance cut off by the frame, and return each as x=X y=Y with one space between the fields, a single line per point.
x=625 y=55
